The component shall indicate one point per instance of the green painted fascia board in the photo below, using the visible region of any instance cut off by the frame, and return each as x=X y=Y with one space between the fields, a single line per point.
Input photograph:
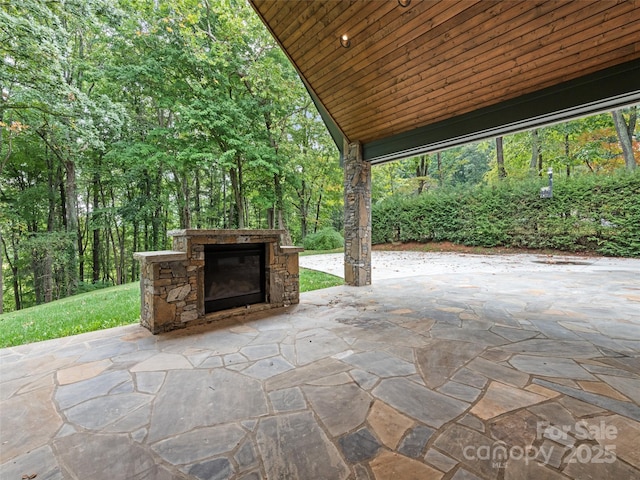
x=606 y=90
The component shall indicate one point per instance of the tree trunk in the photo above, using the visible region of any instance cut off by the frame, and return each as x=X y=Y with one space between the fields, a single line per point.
x=48 y=278
x=134 y=265
x=95 y=247
x=148 y=220
x=186 y=201
x=7 y=155
x=282 y=224
x=165 y=229
x=109 y=244
x=81 y=250
x=502 y=173
x=241 y=210
x=2 y=163
x=540 y=165
x=122 y=275
x=215 y=200
x=285 y=238
x=535 y=150
x=156 y=219
x=224 y=200
x=303 y=209
x=566 y=154
x=106 y=266
x=439 y=160
x=48 y=263
x=625 y=134
x=38 y=274
x=118 y=247
x=63 y=196
x=181 y=185
x=197 y=207
x=14 y=271
x=16 y=287
x=586 y=160
x=422 y=170
x=315 y=226
x=1 y=281
x=72 y=225
x=234 y=175
x=245 y=205
x=303 y=212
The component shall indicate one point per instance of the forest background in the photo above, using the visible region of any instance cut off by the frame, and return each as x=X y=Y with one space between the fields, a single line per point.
x=121 y=120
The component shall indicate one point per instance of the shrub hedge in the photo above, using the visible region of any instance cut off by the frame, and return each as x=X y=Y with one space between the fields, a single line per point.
x=325 y=239
x=587 y=213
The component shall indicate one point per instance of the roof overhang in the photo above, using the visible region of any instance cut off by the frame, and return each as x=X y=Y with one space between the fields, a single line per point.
x=437 y=74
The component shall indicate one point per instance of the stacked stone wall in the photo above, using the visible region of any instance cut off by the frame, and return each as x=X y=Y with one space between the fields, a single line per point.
x=172 y=282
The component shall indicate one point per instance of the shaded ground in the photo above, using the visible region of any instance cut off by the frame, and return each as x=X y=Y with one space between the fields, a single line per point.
x=457 y=248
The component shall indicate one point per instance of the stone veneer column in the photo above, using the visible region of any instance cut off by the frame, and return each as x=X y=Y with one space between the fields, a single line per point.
x=357 y=217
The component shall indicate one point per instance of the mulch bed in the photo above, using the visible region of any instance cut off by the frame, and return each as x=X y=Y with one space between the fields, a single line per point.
x=453 y=247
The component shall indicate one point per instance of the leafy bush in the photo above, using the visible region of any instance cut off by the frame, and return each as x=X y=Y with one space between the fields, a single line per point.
x=588 y=213
x=325 y=239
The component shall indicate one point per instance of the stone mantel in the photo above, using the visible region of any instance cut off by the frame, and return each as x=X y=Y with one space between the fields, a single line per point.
x=172 y=281
x=291 y=249
x=160 y=256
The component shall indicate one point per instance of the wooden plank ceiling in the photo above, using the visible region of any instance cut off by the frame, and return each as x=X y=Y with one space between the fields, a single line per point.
x=437 y=62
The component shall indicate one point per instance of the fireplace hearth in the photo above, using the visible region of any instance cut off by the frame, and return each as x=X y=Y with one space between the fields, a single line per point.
x=216 y=274
x=234 y=276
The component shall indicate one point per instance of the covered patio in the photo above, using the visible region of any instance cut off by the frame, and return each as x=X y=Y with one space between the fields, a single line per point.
x=489 y=367
x=477 y=372
x=398 y=78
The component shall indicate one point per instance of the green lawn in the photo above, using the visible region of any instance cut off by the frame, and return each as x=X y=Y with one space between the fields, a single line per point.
x=306 y=253
x=314 y=280
x=105 y=308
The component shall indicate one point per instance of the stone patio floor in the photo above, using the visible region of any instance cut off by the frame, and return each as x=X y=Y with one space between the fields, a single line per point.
x=472 y=371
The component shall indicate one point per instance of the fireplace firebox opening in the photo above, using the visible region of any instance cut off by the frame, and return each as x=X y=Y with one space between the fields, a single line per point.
x=234 y=276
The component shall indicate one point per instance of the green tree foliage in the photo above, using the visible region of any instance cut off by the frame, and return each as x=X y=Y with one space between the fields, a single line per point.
x=122 y=120
x=463 y=165
x=314 y=174
x=585 y=146
x=49 y=99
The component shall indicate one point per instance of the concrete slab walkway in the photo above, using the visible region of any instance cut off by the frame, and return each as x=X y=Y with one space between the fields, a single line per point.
x=490 y=368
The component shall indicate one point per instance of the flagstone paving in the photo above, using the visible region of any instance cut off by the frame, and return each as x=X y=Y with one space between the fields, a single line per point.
x=501 y=370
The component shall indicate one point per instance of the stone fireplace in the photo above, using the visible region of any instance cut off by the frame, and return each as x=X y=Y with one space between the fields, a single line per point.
x=216 y=274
